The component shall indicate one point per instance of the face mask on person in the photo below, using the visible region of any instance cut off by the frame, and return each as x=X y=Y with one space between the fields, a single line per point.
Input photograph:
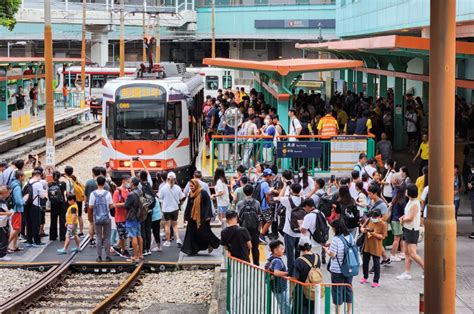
x=300 y=174
x=128 y=185
x=386 y=166
x=374 y=220
x=472 y=170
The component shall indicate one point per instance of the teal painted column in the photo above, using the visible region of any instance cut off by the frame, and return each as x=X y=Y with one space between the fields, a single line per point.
x=342 y=74
x=359 y=81
x=282 y=110
x=383 y=86
x=350 y=80
x=370 y=85
x=399 y=133
x=461 y=74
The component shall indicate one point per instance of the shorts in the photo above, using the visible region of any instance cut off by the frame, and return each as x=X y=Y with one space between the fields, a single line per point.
x=71 y=231
x=266 y=216
x=173 y=216
x=16 y=221
x=121 y=230
x=412 y=136
x=134 y=231
x=341 y=294
x=396 y=228
x=79 y=209
x=411 y=236
x=90 y=216
x=223 y=209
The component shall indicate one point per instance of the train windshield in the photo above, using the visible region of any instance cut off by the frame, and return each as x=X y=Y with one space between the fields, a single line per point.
x=141 y=121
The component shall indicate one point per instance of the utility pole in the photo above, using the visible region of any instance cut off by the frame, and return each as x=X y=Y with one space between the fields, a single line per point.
x=144 y=32
x=48 y=66
x=122 y=43
x=83 y=54
x=440 y=238
x=213 y=30
x=158 y=39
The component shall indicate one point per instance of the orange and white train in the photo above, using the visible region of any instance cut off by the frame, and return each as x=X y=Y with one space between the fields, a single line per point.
x=156 y=119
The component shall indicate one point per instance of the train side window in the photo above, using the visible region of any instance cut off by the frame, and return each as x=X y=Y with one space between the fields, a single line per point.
x=212 y=82
x=173 y=120
x=109 y=121
x=227 y=81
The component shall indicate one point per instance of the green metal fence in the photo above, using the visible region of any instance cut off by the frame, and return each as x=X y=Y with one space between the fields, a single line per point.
x=262 y=149
x=251 y=289
x=73 y=100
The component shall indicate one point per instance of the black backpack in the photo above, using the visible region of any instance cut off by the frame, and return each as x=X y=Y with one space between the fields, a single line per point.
x=55 y=194
x=249 y=216
x=321 y=234
x=32 y=94
x=351 y=216
x=257 y=192
x=304 y=128
x=325 y=204
x=28 y=190
x=283 y=132
x=297 y=213
x=148 y=193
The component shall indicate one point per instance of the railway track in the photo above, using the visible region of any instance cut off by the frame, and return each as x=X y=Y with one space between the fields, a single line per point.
x=64 y=288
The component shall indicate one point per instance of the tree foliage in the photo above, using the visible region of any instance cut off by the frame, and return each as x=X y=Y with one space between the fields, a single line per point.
x=8 y=8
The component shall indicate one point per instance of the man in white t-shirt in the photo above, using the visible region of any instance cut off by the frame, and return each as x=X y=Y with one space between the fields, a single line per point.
x=249 y=129
x=308 y=228
x=171 y=195
x=295 y=125
x=100 y=200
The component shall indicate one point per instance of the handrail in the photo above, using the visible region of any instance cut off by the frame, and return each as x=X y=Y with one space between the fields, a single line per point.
x=291 y=279
x=287 y=136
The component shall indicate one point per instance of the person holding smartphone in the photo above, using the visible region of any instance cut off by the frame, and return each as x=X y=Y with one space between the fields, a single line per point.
x=375 y=230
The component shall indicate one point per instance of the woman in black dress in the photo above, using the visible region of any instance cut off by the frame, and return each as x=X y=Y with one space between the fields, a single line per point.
x=198 y=214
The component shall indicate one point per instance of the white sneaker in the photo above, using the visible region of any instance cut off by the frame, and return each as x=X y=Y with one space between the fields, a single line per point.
x=179 y=243
x=167 y=243
x=395 y=258
x=401 y=256
x=5 y=259
x=404 y=276
x=156 y=249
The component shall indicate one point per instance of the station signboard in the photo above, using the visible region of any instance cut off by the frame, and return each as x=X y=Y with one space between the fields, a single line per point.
x=345 y=152
x=300 y=149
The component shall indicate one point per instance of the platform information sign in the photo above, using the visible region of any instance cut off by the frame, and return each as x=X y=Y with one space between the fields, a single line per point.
x=345 y=152
x=50 y=153
x=300 y=149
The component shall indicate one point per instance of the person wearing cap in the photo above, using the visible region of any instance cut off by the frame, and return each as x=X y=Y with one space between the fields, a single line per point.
x=327 y=126
x=360 y=165
x=375 y=230
x=264 y=199
x=171 y=197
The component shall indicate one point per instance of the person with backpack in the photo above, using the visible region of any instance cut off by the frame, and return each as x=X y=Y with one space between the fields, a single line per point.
x=343 y=265
x=119 y=198
x=100 y=203
x=75 y=187
x=315 y=226
x=33 y=192
x=149 y=194
x=235 y=239
x=294 y=215
x=91 y=185
x=262 y=193
x=348 y=209
x=277 y=266
x=198 y=214
x=307 y=269
x=378 y=203
x=171 y=196
x=222 y=193
x=249 y=211
x=5 y=214
x=56 y=197
x=18 y=203
x=375 y=230
x=387 y=183
x=132 y=223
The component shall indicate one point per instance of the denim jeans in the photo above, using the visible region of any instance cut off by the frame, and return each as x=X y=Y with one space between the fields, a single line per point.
x=457 y=203
x=291 y=251
x=283 y=301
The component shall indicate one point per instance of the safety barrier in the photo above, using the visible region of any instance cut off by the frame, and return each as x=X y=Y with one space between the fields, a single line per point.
x=261 y=149
x=21 y=119
x=252 y=289
x=73 y=100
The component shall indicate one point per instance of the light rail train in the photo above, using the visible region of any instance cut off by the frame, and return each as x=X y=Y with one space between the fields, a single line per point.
x=156 y=119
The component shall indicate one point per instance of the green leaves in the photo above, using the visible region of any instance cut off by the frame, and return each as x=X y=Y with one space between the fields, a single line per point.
x=8 y=8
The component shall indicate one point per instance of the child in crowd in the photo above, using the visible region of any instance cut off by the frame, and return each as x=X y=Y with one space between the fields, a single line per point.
x=71 y=226
x=276 y=265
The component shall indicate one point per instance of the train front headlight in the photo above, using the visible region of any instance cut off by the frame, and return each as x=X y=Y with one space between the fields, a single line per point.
x=153 y=164
x=126 y=163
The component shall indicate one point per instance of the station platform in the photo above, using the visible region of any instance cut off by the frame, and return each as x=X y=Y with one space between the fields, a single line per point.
x=63 y=118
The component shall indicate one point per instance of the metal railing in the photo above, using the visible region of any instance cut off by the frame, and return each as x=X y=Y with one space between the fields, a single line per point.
x=73 y=100
x=252 y=289
x=251 y=150
x=251 y=3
